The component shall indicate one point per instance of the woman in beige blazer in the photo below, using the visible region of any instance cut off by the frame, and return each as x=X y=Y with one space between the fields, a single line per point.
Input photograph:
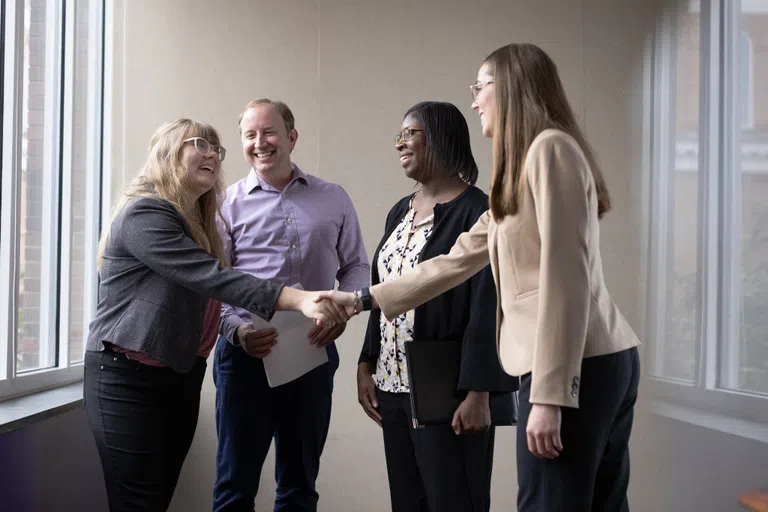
x=557 y=327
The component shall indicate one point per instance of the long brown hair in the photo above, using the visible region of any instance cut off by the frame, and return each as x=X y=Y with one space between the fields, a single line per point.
x=163 y=175
x=529 y=99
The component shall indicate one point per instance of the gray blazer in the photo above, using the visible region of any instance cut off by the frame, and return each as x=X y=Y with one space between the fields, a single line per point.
x=155 y=284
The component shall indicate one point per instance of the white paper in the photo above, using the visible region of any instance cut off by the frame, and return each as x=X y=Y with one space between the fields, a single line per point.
x=293 y=355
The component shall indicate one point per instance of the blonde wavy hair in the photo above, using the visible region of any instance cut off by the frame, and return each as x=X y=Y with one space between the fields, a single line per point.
x=164 y=176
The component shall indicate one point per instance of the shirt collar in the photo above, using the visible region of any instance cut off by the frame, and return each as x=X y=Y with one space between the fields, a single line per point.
x=253 y=180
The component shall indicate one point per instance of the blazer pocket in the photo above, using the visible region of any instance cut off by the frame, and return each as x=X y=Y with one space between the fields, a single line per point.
x=525 y=295
x=145 y=325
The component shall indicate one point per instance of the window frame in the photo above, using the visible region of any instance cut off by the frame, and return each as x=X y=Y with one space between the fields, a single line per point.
x=55 y=267
x=705 y=401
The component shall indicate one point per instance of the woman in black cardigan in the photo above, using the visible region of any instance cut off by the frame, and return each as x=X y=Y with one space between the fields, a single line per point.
x=436 y=468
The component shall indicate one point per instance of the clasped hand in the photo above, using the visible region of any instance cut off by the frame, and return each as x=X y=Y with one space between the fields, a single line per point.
x=328 y=309
x=342 y=300
x=325 y=312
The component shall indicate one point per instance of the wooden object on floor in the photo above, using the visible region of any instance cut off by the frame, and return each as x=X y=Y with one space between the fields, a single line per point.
x=755 y=500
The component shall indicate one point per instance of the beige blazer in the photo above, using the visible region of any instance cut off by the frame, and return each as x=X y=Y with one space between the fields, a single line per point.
x=553 y=308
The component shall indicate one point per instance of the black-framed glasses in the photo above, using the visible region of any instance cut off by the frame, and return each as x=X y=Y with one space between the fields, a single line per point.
x=476 y=87
x=204 y=147
x=406 y=135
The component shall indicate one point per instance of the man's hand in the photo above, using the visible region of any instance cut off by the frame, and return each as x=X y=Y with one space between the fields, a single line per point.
x=256 y=343
x=322 y=336
x=473 y=414
x=366 y=392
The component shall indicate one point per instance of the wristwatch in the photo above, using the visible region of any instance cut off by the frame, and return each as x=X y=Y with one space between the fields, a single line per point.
x=365 y=298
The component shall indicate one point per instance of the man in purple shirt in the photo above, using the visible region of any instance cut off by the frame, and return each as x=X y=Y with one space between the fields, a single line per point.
x=293 y=228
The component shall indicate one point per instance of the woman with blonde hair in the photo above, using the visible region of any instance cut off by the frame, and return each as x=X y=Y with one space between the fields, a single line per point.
x=160 y=261
x=557 y=326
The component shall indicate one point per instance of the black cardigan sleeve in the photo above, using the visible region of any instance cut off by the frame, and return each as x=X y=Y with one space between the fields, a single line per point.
x=480 y=369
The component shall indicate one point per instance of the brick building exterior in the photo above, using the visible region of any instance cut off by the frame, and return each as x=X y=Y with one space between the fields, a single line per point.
x=32 y=193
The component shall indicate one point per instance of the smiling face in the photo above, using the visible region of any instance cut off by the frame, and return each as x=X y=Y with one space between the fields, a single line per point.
x=202 y=171
x=485 y=101
x=267 y=145
x=412 y=151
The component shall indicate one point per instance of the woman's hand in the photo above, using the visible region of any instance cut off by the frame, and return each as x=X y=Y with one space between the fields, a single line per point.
x=326 y=313
x=345 y=300
x=543 y=431
x=366 y=392
x=473 y=414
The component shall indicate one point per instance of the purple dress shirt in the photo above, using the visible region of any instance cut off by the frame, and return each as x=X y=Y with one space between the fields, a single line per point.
x=308 y=233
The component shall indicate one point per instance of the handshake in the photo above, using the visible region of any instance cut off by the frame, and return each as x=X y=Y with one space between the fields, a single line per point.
x=329 y=310
x=326 y=308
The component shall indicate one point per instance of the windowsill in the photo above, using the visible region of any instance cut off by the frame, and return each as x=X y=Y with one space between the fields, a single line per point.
x=729 y=425
x=19 y=412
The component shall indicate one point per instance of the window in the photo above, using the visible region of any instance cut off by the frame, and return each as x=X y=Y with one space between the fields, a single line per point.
x=708 y=236
x=746 y=90
x=50 y=187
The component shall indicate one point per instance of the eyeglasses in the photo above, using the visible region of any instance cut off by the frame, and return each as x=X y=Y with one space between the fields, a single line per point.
x=477 y=87
x=406 y=135
x=204 y=147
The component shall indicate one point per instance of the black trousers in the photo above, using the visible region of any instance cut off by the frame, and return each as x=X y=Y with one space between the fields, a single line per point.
x=592 y=471
x=143 y=420
x=432 y=469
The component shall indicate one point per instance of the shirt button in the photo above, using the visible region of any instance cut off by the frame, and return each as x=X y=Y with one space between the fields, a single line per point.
x=289 y=220
x=293 y=246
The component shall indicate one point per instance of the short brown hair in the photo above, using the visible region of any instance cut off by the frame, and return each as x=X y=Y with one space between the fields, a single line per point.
x=281 y=107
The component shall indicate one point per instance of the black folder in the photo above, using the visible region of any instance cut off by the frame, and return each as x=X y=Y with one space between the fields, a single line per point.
x=433 y=374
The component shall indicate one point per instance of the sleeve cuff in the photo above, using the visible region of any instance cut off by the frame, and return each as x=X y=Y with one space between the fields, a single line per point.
x=364 y=359
x=563 y=398
x=229 y=328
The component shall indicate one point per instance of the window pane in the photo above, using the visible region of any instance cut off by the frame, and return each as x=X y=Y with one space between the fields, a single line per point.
x=753 y=210
x=679 y=358
x=37 y=230
x=81 y=115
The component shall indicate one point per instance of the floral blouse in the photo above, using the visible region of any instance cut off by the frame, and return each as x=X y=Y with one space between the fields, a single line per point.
x=399 y=254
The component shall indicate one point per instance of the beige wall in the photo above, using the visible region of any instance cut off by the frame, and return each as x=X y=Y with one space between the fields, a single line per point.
x=349 y=69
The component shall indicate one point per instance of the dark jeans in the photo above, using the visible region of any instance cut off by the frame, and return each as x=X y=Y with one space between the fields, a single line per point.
x=249 y=414
x=432 y=469
x=592 y=472
x=143 y=420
